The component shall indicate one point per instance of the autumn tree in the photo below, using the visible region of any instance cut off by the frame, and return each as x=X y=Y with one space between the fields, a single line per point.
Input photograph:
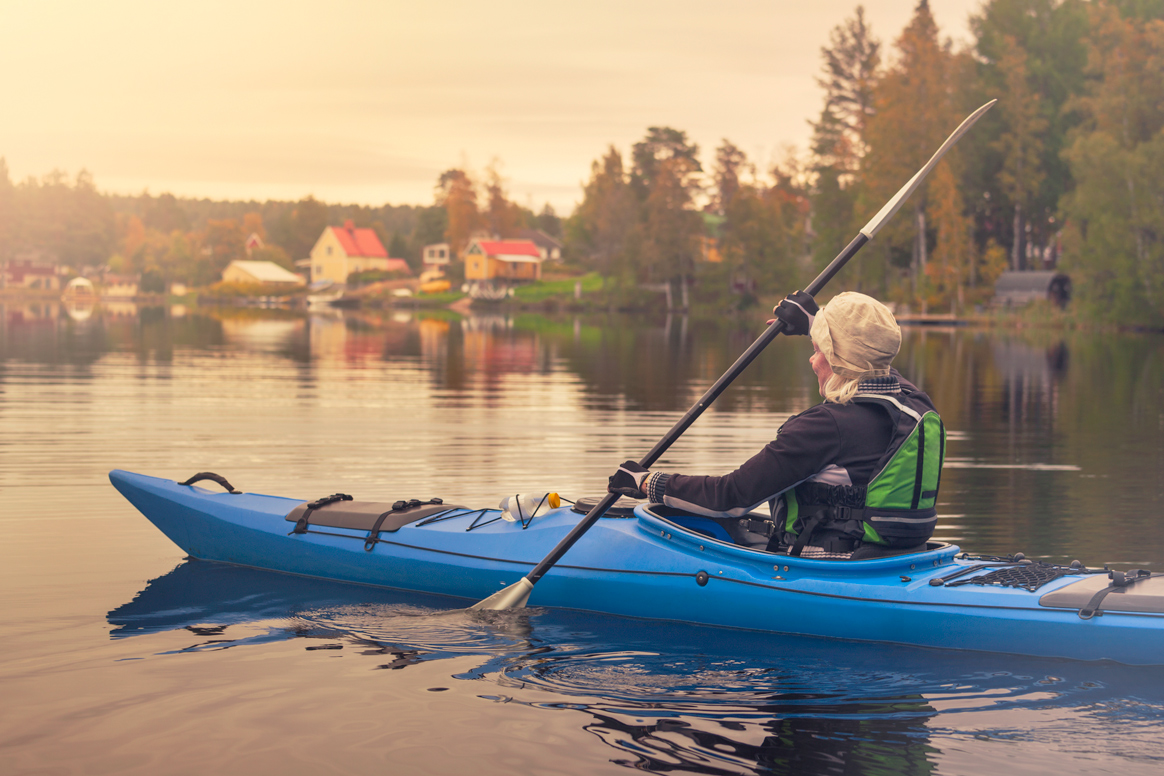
x=457 y=194
x=502 y=217
x=763 y=230
x=1116 y=239
x=663 y=144
x=730 y=163
x=600 y=230
x=298 y=229
x=914 y=114
x=665 y=180
x=8 y=217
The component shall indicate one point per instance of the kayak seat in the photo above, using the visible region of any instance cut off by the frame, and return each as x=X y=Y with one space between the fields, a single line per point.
x=702 y=525
x=750 y=531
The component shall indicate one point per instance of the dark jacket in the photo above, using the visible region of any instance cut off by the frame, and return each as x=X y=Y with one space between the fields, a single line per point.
x=839 y=444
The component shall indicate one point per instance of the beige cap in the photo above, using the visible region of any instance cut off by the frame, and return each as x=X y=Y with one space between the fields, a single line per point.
x=857 y=335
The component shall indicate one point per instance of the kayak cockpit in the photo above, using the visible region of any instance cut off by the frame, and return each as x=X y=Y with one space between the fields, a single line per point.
x=744 y=534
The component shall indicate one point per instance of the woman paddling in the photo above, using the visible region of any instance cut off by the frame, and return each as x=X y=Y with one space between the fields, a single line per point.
x=853 y=477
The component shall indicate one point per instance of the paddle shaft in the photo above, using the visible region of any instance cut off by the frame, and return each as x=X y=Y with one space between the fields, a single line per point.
x=705 y=401
x=517 y=594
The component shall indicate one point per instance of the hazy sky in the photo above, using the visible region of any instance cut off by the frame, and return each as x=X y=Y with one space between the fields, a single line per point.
x=368 y=101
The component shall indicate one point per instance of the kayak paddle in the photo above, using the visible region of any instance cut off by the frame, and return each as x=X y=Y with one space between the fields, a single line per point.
x=516 y=595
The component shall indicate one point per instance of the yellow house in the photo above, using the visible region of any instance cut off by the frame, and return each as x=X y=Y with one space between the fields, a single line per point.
x=503 y=260
x=340 y=251
x=252 y=272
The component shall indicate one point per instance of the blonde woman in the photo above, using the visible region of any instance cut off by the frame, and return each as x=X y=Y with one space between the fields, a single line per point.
x=854 y=476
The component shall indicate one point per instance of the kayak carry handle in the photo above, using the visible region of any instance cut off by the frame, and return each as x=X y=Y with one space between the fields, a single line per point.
x=200 y=476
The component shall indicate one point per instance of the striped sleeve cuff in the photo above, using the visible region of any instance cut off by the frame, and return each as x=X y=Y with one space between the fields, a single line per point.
x=656 y=485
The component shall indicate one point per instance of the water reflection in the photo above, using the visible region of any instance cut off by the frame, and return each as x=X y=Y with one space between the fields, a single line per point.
x=672 y=697
x=1056 y=444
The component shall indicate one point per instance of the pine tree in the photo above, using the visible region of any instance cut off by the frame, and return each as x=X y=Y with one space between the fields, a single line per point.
x=599 y=232
x=914 y=113
x=839 y=144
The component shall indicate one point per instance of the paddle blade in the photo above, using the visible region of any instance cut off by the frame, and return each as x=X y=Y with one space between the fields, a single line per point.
x=513 y=597
x=891 y=207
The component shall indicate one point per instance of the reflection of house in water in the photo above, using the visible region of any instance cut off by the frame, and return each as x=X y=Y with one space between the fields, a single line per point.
x=493 y=347
x=350 y=339
x=118 y=309
x=1031 y=372
x=434 y=339
x=263 y=335
x=30 y=312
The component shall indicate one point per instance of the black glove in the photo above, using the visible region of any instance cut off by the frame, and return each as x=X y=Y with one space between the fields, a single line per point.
x=797 y=311
x=628 y=480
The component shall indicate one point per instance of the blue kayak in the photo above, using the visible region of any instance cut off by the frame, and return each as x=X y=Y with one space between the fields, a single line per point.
x=660 y=563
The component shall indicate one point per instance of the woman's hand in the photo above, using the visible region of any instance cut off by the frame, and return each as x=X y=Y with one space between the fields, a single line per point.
x=797 y=311
x=628 y=480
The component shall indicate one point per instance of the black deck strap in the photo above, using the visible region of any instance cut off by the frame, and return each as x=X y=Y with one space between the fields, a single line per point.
x=301 y=523
x=398 y=506
x=200 y=476
x=802 y=538
x=1119 y=579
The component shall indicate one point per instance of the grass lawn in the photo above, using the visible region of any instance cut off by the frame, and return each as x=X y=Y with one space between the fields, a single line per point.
x=542 y=290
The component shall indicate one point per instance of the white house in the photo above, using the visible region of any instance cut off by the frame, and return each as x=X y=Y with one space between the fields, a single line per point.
x=262 y=272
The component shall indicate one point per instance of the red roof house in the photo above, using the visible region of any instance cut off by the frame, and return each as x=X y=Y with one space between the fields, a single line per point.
x=503 y=260
x=343 y=250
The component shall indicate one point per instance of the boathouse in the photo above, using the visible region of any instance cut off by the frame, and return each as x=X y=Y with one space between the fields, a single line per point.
x=1015 y=289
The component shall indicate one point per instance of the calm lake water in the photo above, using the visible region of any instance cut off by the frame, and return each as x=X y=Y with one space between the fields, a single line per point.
x=119 y=656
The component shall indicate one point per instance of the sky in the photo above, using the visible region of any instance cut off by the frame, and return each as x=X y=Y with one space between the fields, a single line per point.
x=368 y=102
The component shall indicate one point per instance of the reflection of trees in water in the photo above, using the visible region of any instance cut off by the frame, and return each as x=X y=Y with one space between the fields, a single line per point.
x=793 y=741
x=1012 y=400
x=55 y=337
x=1087 y=407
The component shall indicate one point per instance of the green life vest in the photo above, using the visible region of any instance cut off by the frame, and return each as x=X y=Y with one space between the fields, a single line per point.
x=896 y=509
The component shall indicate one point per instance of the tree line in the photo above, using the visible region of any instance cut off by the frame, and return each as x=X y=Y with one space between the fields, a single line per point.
x=67 y=221
x=1066 y=172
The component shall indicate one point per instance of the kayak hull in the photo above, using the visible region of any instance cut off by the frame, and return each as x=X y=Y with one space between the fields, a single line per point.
x=652 y=567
